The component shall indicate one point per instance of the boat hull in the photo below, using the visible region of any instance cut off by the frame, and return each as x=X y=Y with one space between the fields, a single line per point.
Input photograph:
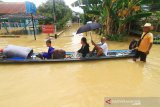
x=112 y=54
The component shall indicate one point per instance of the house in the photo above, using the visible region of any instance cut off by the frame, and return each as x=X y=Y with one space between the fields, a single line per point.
x=18 y=15
x=12 y=8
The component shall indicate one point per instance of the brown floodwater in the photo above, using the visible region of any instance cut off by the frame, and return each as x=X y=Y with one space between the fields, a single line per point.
x=76 y=84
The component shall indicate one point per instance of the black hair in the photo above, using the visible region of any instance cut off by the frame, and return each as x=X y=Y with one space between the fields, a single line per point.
x=84 y=40
x=48 y=41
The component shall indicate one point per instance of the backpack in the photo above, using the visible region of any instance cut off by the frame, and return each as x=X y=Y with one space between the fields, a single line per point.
x=134 y=43
x=59 y=54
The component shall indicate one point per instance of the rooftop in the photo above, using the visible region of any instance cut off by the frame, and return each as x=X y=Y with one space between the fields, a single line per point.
x=12 y=7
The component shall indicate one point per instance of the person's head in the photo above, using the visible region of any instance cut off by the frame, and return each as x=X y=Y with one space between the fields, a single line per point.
x=103 y=39
x=147 y=27
x=48 y=43
x=84 y=41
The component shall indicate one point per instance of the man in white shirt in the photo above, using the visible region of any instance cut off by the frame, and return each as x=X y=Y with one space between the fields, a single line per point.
x=102 y=48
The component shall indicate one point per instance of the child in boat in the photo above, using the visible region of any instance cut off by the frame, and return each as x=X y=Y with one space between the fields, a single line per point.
x=48 y=55
x=85 y=47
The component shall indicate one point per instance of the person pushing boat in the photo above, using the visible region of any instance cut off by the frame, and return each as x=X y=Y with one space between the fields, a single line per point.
x=145 y=43
x=101 y=48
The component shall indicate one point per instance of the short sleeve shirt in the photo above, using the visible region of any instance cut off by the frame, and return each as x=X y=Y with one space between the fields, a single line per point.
x=105 y=48
x=145 y=43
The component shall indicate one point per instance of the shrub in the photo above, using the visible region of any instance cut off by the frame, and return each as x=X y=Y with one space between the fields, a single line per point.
x=116 y=37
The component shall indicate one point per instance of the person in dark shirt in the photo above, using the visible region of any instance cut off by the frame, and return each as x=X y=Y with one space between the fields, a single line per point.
x=48 y=55
x=85 y=47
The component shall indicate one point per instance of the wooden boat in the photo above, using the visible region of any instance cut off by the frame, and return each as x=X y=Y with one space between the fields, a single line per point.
x=112 y=54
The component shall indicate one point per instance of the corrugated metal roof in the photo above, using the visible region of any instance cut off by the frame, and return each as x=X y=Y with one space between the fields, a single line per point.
x=12 y=7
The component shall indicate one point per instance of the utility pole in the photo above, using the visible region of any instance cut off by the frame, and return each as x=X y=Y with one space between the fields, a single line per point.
x=33 y=26
x=54 y=16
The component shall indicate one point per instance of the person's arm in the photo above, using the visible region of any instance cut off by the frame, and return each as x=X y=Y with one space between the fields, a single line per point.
x=93 y=43
x=150 y=46
x=79 y=51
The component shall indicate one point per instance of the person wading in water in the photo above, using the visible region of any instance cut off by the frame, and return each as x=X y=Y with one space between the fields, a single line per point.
x=145 y=43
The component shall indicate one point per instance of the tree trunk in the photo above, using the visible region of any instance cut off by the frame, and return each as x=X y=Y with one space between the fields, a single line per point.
x=157 y=27
x=108 y=30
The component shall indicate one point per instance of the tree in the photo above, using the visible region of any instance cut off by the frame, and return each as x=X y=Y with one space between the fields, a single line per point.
x=62 y=12
x=116 y=15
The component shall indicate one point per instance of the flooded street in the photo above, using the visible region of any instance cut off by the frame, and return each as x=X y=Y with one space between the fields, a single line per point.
x=77 y=84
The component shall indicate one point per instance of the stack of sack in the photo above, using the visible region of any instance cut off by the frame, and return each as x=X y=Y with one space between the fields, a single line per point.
x=12 y=51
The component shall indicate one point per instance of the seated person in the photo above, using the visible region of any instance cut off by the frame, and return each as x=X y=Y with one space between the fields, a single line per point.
x=85 y=47
x=102 y=48
x=48 y=55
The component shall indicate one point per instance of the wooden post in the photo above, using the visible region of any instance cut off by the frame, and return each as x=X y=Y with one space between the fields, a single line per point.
x=54 y=16
x=33 y=27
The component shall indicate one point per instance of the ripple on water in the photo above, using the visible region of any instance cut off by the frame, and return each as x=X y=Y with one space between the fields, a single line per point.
x=82 y=84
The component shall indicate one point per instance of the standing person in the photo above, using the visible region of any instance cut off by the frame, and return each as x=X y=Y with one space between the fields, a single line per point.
x=48 y=55
x=102 y=48
x=85 y=47
x=145 y=43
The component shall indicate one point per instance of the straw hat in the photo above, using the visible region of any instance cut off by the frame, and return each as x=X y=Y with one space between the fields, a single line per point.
x=148 y=25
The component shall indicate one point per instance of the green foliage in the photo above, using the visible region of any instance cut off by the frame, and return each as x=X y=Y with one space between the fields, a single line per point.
x=118 y=16
x=157 y=41
x=62 y=13
x=157 y=14
x=82 y=18
x=137 y=17
x=116 y=37
x=120 y=12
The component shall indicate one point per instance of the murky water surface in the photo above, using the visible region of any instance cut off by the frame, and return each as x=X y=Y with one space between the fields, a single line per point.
x=82 y=84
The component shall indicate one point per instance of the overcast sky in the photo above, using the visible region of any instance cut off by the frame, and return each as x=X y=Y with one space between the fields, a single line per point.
x=38 y=2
